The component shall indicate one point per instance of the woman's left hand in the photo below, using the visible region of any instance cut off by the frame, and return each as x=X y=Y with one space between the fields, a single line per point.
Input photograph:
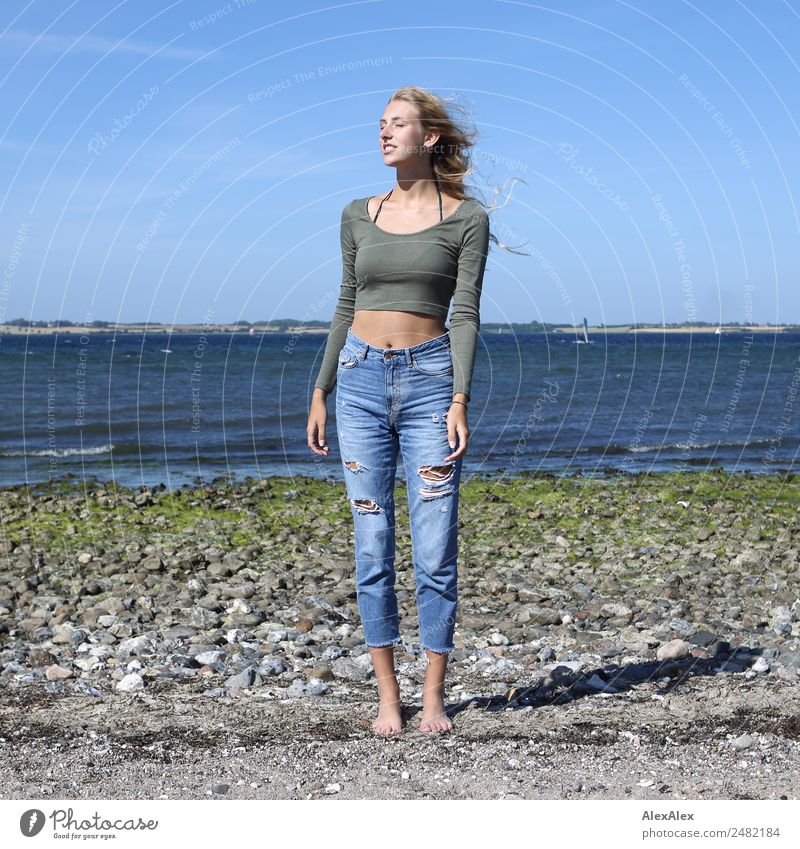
x=457 y=427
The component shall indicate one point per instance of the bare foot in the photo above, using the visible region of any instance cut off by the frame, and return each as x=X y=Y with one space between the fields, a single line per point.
x=434 y=718
x=389 y=720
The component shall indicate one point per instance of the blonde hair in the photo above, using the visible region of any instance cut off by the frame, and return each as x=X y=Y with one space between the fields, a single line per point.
x=450 y=160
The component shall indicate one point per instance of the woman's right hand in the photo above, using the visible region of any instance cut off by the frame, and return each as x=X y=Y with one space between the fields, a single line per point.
x=317 y=420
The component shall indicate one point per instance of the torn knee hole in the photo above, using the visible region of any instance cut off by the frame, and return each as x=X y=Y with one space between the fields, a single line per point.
x=436 y=474
x=355 y=466
x=437 y=479
x=365 y=505
x=427 y=493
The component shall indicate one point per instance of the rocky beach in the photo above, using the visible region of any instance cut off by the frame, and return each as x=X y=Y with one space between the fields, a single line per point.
x=625 y=636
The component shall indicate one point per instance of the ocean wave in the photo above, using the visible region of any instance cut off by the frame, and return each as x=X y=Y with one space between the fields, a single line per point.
x=687 y=446
x=60 y=452
x=626 y=448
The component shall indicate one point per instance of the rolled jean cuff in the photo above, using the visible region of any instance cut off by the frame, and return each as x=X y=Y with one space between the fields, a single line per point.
x=438 y=651
x=383 y=645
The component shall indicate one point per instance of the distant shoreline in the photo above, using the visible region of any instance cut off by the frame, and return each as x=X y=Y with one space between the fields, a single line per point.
x=201 y=329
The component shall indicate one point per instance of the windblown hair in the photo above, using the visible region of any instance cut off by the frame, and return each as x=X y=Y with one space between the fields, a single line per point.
x=450 y=159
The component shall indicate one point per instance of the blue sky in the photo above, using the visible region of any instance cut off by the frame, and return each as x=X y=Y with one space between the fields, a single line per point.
x=188 y=162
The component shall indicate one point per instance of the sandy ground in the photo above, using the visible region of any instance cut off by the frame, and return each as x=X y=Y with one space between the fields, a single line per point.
x=651 y=653
x=642 y=743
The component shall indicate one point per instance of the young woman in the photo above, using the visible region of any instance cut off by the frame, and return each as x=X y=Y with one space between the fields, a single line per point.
x=404 y=381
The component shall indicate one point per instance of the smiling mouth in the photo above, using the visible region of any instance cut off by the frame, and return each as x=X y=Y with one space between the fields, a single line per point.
x=388 y=147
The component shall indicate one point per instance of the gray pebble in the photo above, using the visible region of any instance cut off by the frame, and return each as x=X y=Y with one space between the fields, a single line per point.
x=296 y=688
x=316 y=687
x=271 y=666
x=673 y=650
x=245 y=678
x=131 y=683
x=743 y=741
x=760 y=665
x=210 y=657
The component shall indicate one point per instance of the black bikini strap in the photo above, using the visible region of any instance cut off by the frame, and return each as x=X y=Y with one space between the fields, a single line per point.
x=441 y=212
x=379 y=207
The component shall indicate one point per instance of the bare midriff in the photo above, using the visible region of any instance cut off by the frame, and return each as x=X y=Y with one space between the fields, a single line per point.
x=395 y=329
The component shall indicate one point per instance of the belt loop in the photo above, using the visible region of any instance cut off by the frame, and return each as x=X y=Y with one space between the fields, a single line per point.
x=407 y=352
x=364 y=350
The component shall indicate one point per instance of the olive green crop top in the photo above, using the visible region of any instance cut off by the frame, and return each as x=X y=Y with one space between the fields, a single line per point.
x=413 y=272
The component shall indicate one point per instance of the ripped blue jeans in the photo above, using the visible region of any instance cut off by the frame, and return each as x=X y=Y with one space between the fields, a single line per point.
x=391 y=399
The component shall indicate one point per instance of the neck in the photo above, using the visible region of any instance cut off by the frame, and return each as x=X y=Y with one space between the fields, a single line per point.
x=416 y=190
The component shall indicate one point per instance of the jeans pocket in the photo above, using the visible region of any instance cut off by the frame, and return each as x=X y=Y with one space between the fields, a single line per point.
x=347 y=359
x=433 y=363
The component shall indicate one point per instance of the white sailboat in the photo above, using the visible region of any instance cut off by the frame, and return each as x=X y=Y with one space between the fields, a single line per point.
x=586 y=340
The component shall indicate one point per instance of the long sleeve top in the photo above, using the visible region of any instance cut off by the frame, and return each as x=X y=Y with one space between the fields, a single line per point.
x=413 y=272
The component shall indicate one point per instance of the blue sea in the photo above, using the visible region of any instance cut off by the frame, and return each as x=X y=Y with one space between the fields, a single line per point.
x=191 y=408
